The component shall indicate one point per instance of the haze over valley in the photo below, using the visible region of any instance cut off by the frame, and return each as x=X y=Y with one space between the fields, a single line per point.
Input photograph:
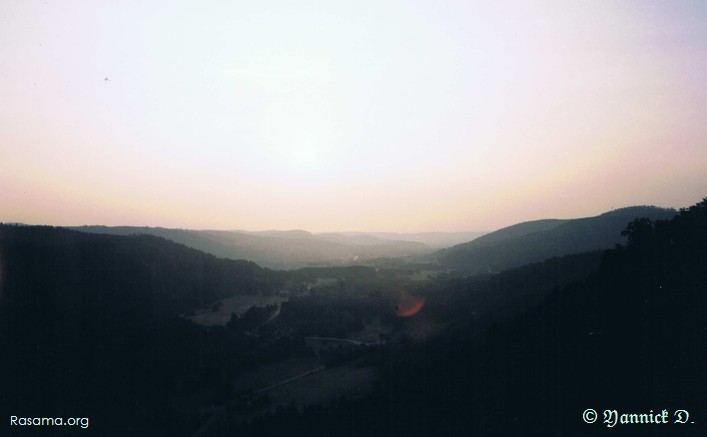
x=292 y=249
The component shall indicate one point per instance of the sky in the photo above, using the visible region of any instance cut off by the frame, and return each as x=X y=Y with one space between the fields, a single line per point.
x=330 y=115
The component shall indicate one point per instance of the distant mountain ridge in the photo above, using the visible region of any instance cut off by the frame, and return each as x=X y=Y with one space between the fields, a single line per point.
x=538 y=240
x=437 y=240
x=280 y=249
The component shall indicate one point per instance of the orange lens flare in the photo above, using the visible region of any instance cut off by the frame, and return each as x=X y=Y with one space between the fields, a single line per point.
x=409 y=306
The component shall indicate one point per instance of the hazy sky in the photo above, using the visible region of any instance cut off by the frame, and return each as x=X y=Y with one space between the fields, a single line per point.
x=350 y=115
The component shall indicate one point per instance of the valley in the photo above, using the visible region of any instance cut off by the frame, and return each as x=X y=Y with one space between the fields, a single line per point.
x=220 y=346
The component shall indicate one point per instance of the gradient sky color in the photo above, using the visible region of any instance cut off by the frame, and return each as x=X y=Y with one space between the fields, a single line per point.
x=341 y=116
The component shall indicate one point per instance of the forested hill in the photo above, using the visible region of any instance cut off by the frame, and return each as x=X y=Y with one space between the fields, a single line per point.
x=536 y=241
x=633 y=337
x=89 y=328
x=42 y=264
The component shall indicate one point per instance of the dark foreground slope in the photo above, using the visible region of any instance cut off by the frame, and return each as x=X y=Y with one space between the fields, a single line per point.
x=536 y=241
x=168 y=278
x=632 y=338
x=88 y=328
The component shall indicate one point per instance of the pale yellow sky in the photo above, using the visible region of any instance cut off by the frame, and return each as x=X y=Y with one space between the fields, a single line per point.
x=341 y=116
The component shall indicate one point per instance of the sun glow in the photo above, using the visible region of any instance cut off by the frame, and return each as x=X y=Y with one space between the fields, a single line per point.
x=397 y=116
x=305 y=153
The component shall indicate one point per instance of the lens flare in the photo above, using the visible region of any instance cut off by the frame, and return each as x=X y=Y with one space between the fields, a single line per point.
x=408 y=306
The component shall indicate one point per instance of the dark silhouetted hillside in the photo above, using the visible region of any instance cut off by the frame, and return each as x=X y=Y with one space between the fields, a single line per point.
x=174 y=276
x=531 y=242
x=89 y=328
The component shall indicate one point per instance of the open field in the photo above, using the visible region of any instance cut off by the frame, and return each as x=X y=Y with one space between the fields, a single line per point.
x=235 y=304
